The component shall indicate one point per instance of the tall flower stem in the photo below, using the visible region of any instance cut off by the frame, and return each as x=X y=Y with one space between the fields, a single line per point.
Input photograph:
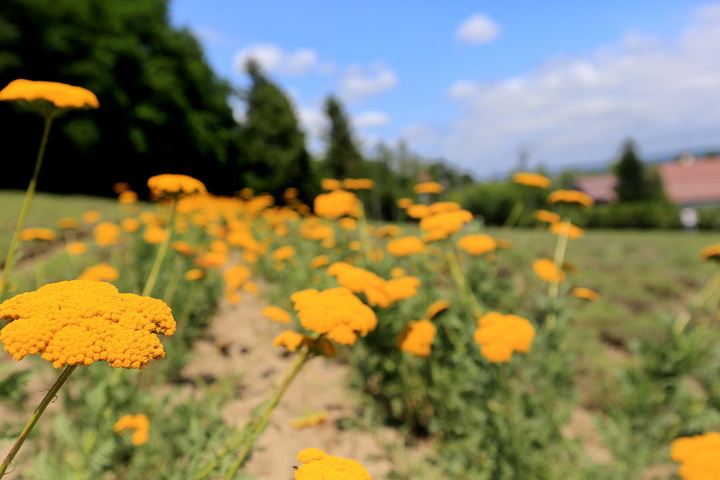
x=35 y=417
x=252 y=430
x=363 y=231
x=162 y=251
x=10 y=256
x=514 y=214
x=558 y=260
x=700 y=299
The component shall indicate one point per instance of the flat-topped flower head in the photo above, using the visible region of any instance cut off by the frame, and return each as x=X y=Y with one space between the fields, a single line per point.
x=698 y=456
x=435 y=308
x=139 y=424
x=546 y=216
x=477 y=243
x=585 y=293
x=335 y=312
x=37 y=233
x=711 y=252
x=358 y=184
x=531 y=179
x=336 y=203
x=317 y=465
x=570 y=197
x=102 y=272
x=567 y=229
x=500 y=335
x=404 y=246
x=173 y=186
x=417 y=338
x=106 y=233
x=276 y=314
x=61 y=95
x=428 y=187
x=80 y=322
x=547 y=270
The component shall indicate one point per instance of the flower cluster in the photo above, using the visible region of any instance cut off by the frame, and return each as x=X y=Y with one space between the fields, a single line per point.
x=102 y=272
x=500 y=335
x=59 y=94
x=378 y=291
x=139 y=424
x=698 y=456
x=170 y=185
x=276 y=314
x=547 y=270
x=37 y=233
x=711 y=252
x=404 y=246
x=336 y=204
x=417 y=338
x=531 y=179
x=547 y=216
x=444 y=223
x=290 y=340
x=106 y=233
x=335 y=312
x=477 y=244
x=317 y=465
x=427 y=187
x=585 y=293
x=358 y=184
x=571 y=197
x=79 y=322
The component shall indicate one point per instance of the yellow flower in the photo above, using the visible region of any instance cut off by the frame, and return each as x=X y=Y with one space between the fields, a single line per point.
x=91 y=216
x=417 y=338
x=138 y=423
x=359 y=280
x=477 y=244
x=404 y=202
x=336 y=204
x=29 y=234
x=531 y=179
x=335 y=312
x=330 y=184
x=183 y=248
x=354 y=245
x=347 y=223
x=59 y=94
x=169 y=185
x=711 y=252
x=435 y=308
x=76 y=248
x=698 y=456
x=396 y=272
x=130 y=225
x=500 y=335
x=572 y=231
x=101 y=272
x=236 y=276
x=194 y=274
x=586 y=293
x=284 y=253
x=418 y=211
x=404 y=246
x=570 y=197
x=210 y=260
x=428 y=187
x=389 y=230
x=67 y=223
x=79 y=322
x=276 y=314
x=154 y=234
x=319 y=261
x=127 y=197
x=547 y=270
x=106 y=233
x=289 y=339
x=320 y=466
x=358 y=184
x=547 y=216
x=119 y=187
x=441 y=225
x=309 y=420
x=402 y=288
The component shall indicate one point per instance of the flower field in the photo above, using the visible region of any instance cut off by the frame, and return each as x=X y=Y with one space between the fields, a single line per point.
x=548 y=353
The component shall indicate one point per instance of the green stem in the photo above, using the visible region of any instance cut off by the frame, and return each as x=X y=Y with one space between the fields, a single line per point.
x=514 y=214
x=155 y=270
x=10 y=257
x=35 y=417
x=363 y=231
x=700 y=299
x=558 y=260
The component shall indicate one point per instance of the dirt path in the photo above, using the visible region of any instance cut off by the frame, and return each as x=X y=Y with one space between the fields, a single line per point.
x=240 y=344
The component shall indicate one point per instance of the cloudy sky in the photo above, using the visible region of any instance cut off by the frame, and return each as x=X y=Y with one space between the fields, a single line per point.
x=478 y=82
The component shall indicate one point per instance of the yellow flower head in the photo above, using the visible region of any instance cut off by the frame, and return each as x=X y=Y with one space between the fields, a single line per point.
x=335 y=312
x=698 y=456
x=500 y=335
x=586 y=293
x=417 y=338
x=319 y=261
x=138 y=423
x=441 y=225
x=419 y=210
x=566 y=228
x=276 y=314
x=284 y=253
x=404 y=246
x=347 y=223
x=547 y=270
x=358 y=184
x=210 y=260
x=330 y=184
x=127 y=197
x=477 y=244
x=711 y=252
x=106 y=233
x=194 y=274
x=547 y=216
x=76 y=248
x=289 y=339
x=183 y=248
x=531 y=179
x=59 y=94
x=336 y=204
x=169 y=185
x=359 y=280
x=154 y=234
x=570 y=197
x=428 y=187
x=36 y=233
x=236 y=276
x=102 y=272
x=91 y=216
x=79 y=322
x=404 y=202
x=402 y=288
x=320 y=466
x=397 y=272
x=67 y=223
x=435 y=308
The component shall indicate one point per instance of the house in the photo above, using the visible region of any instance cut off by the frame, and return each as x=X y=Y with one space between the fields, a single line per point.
x=688 y=181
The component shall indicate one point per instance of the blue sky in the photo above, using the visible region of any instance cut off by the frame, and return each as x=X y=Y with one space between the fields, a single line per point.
x=475 y=82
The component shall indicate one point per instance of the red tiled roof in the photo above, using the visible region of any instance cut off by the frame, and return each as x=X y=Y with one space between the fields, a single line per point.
x=600 y=187
x=692 y=182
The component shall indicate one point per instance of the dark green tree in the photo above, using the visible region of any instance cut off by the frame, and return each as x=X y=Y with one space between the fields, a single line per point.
x=343 y=156
x=272 y=142
x=162 y=109
x=631 y=180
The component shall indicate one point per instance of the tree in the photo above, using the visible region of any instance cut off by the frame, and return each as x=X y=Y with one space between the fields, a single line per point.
x=631 y=180
x=272 y=142
x=162 y=109
x=342 y=157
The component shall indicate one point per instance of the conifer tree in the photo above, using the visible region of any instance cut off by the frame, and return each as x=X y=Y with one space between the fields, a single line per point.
x=342 y=158
x=631 y=182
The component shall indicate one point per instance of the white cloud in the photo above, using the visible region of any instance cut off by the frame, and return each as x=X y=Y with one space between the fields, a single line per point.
x=478 y=28
x=359 y=83
x=274 y=60
x=370 y=119
x=664 y=94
